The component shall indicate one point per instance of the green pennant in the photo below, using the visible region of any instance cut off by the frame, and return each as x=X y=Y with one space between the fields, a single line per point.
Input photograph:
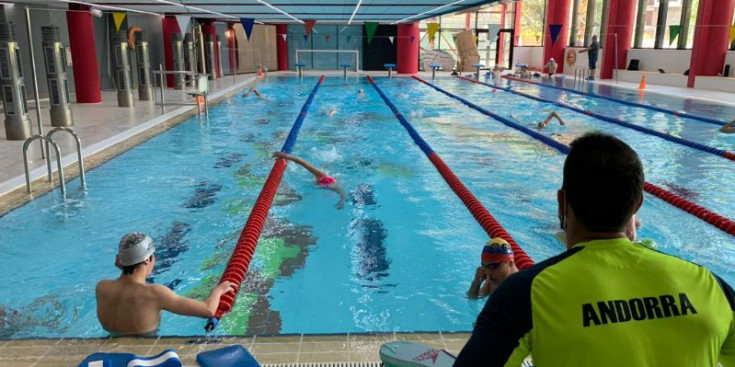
x=349 y=38
x=370 y=28
x=674 y=31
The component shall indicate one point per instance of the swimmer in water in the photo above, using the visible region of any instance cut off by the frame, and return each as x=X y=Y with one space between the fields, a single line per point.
x=361 y=93
x=551 y=116
x=496 y=265
x=253 y=90
x=729 y=128
x=323 y=180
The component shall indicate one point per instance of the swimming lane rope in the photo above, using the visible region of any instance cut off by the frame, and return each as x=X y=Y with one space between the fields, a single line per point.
x=620 y=122
x=634 y=104
x=245 y=247
x=481 y=214
x=722 y=223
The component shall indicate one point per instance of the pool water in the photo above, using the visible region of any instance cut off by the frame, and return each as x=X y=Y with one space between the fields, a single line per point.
x=398 y=257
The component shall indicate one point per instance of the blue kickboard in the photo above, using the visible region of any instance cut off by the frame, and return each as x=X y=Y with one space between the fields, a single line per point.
x=232 y=356
x=167 y=358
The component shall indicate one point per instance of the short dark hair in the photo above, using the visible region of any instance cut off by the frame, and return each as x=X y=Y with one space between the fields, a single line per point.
x=603 y=182
x=127 y=270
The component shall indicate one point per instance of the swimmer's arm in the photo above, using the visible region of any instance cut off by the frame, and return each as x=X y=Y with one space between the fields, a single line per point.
x=342 y=196
x=301 y=162
x=729 y=128
x=179 y=305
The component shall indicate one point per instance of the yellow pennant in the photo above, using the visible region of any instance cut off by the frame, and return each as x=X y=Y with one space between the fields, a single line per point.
x=118 y=17
x=263 y=35
x=432 y=28
x=476 y=39
x=732 y=33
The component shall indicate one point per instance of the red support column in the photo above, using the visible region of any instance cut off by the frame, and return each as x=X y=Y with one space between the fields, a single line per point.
x=517 y=23
x=407 y=47
x=83 y=54
x=557 y=12
x=282 y=46
x=170 y=26
x=711 y=38
x=232 y=48
x=621 y=23
x=208 y=28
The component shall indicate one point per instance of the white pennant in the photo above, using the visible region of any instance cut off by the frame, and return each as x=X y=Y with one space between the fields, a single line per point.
x=284 y=36
x=183 y=21
x=391 y=39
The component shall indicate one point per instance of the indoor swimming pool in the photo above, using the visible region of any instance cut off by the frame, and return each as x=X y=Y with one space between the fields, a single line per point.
x=402 y=252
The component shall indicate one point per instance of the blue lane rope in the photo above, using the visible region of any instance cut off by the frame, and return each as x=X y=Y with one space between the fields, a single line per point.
x=634 y=104
x=294 y=133
x=618 y=121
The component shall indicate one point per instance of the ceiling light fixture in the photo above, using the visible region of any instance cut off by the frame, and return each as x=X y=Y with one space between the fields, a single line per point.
x=359 y=2
x=280 y=11
x=109 y=7
x=427 y=12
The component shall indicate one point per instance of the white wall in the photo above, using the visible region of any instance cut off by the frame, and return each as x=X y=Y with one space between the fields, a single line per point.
x=531 y=55
x=672 y=61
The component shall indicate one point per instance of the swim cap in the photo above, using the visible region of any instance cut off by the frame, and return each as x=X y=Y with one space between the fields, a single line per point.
x=134 y=248
x=496 y=250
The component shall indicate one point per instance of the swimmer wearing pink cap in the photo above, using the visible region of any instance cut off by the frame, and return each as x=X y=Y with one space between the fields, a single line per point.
x=323 y=180
x=496 y=265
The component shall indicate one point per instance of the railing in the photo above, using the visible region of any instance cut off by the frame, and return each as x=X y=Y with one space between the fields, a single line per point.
x=49 y=141
x=200 y=90
x=581 y=73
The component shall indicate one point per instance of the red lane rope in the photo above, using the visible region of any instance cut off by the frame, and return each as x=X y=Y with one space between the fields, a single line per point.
x=481 y=214
x=239 y=262
x=700 y=212
x=491 y=226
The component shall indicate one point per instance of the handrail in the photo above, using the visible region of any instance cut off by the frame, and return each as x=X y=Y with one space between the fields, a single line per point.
x=581 y=71
x=58 y=162
x=620 y=122
x=481 y=214
x=239 y=263
x=80 y=161
x=195 y=78
x=716 y=220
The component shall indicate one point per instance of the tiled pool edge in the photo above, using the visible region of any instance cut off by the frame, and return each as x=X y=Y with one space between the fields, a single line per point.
x=101 y=152
x=295 y=348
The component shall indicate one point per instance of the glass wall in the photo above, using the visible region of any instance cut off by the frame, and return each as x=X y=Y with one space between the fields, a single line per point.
x=655 y=19
x=533 y=13
x=586 y=21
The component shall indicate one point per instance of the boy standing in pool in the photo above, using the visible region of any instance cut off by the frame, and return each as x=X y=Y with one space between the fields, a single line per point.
x=496 y=264
x=130 y=306
x=605 y=302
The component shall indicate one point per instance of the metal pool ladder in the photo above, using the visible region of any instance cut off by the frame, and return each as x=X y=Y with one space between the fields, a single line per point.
x=581 y=72
x=47 y=138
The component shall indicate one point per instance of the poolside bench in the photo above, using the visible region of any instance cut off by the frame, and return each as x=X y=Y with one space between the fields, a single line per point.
x=390 y=68
x=300 y=65
x=344 y=66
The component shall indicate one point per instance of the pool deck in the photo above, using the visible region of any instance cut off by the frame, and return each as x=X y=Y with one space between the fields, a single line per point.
x=287 y=349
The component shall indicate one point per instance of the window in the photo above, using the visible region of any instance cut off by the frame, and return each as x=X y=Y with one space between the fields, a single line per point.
x=654 y=21
x=532 y=22
x=578 y=16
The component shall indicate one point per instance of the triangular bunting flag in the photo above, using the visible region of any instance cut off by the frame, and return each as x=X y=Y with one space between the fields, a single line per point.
x=674 y=31
x=476 y=39
x=391 y=39
x=732 y=33
x=492 y=30
x=284 y=36
x=247 y=25
x=349 y=38
x=554 y=30
x=326 y=38
x=118 y=17
x=413 y=38
x=309 y=24
x=262 y=35
x=306 y=38
x=183 y=21
x=433 y=28
x=370 y=28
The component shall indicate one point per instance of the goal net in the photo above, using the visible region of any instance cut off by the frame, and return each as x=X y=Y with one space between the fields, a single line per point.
x=328 y=59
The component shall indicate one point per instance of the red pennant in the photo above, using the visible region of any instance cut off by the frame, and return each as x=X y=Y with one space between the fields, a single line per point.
x=309 y=24
x=413 y=38
x=327 y=37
